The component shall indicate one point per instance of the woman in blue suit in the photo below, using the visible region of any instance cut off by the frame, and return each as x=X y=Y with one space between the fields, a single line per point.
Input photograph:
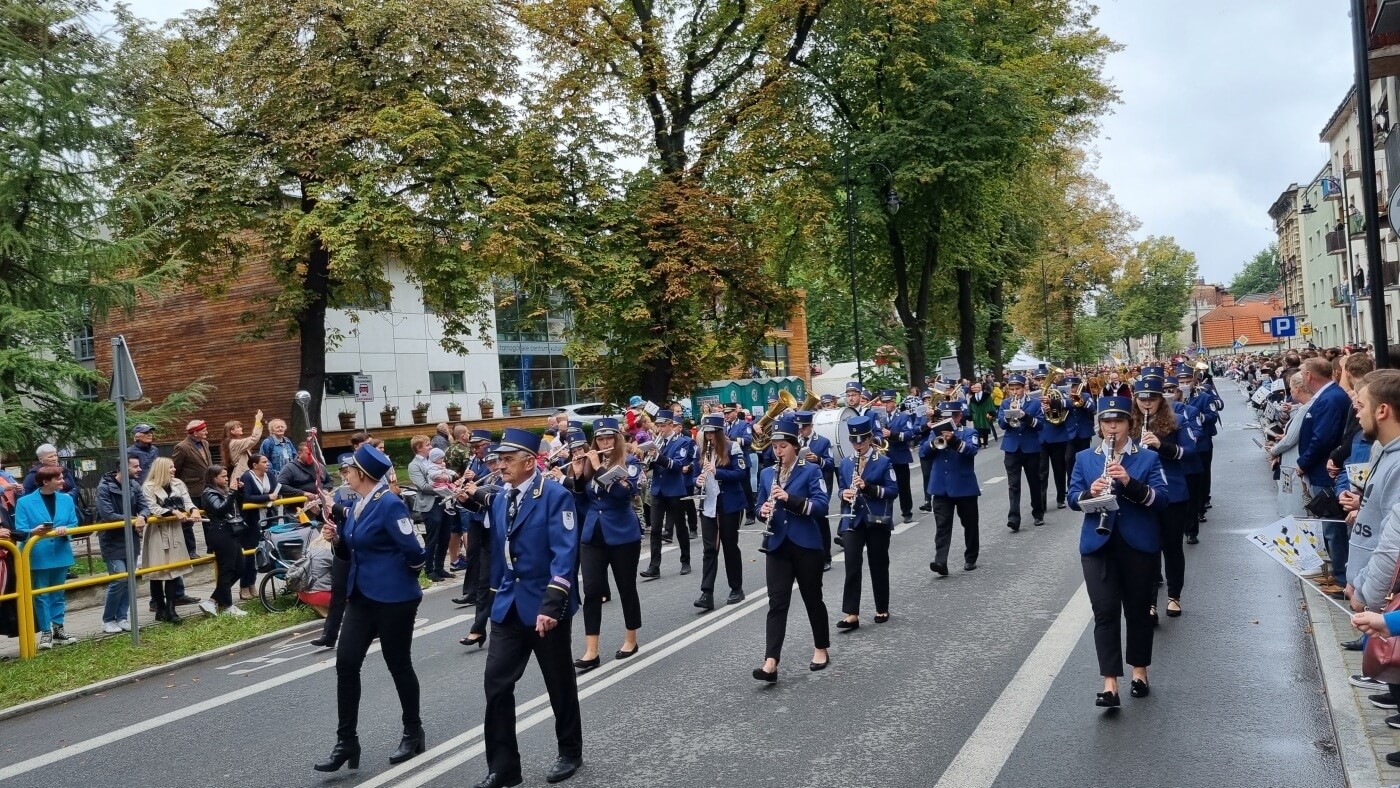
x=867 y=521
x=47 y=512
x=612 y=539
x=723 y=470
x=1120 y=560
x=1170 y=434
x=790 y=495
x=376 y=535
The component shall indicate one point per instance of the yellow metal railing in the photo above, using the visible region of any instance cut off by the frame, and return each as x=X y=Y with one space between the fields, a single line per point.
x=25 y=592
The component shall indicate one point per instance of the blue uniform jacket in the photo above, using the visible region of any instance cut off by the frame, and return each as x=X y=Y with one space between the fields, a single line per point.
x=1139 y=502
x=796 y=519
x=1177 y=455
x=1024 y=438
x=731 y=482
x=1081 y=420
x=669 y=476
x=1187 y=416
x=878 y=496
x=1054 y=433
x=53 y=552
x=610 y=509
x=740 y=432
x=533 y=567
x=1202 y=400
x=903 y=429
x=820 y=445
x=383 y=549
x=953 y=473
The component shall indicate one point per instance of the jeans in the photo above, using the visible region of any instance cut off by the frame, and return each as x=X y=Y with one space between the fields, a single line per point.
x=1335 y=535
x=49 y=608
x=118 y=601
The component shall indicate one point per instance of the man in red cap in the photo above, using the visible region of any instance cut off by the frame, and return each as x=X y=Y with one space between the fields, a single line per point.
x=191 y=458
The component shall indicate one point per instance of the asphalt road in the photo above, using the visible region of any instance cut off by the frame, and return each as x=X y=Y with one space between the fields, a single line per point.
x=981 y=678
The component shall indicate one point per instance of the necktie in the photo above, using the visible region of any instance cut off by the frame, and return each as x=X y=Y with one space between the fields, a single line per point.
x=511 y=508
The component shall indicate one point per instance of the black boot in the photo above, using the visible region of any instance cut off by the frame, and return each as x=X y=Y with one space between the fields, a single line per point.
x=410 y=745
x=345 y=750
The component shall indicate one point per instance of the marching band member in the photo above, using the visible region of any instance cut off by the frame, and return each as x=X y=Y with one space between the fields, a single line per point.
x=789 y=493
x=476 y=581
x=534 y=558
x=722 y=471
x=740 y=432
x=1162 y=430
x=1020 y=446
x=816 y=449
x=952 y=445
x=828 y=402
x=929 y=411
x=854 y=399
x=1118 y=549
x=478 y=501
x=1178 y=393
x=611 y=539
x=1054 y=444
x=1080 y=421
x=899 y=429
x=671 y=472
x=868 y=487
x=1208 y=403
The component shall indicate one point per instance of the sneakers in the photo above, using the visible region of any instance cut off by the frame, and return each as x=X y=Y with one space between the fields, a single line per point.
x=459 y=564
x=1383 y=701
x=45 y=640
x=111 y=628
x=61 y=636
x=209 y=607
x=1393 y=721
x=1367 y=683
x=125 y=624
x=235 y=611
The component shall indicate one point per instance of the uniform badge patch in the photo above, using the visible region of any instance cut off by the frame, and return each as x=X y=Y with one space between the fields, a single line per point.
x=632 y=471
x=405 y=525
x=680 y=455
x=568 y=520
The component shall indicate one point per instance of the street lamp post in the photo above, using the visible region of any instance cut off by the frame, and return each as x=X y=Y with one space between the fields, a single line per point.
x=891 y=204
x=1068 y=283
x=1375 y=273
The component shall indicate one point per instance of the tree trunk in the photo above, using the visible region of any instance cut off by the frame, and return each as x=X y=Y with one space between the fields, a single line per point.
x=996 y=329
x=967 y=326
x=656 y=381
x=913 y=318
x=311 y=330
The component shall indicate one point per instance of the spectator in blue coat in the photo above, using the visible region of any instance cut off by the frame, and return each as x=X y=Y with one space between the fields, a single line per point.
x=1324 y=423
x=46 y=515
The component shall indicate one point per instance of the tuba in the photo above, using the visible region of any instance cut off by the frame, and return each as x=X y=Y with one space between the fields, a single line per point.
x=762 y=427
x=1052 y=400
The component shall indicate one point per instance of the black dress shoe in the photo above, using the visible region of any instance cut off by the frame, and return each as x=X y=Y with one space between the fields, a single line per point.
x=927 y=507
x=736 y=596
x=187 y=600
x=1192 y=539
x=1015 y=527
x=839 y=540
x=881 y=618
x=461 y=600
x=1352 y=645
x=706 y=601
x=1200 y=518
x=1108 y=700
x=763 y=675
x=477 y=639
x=685 y=569
x=848 y=624
x=940 y=568
x=1059 y=503
x=345 y=750
x=323 y=642
x=667 y=537
x=563 y=769
x=815 y=666
x=495 y=780
x=625 y=654
x=909 y=518
x=1139 y=689
x=585 y=665
x=969 y=566
x=650 y=572
x=413 y=743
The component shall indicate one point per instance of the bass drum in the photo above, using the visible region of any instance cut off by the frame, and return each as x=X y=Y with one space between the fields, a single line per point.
x=831 y=424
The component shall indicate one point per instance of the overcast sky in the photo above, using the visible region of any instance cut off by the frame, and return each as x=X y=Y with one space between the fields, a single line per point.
x=1222 y=102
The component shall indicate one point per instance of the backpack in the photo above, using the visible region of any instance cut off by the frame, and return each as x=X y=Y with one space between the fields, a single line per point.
x=299 y=573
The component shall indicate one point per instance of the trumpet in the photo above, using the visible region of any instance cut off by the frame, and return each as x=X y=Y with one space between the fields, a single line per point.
x=939 y=442
x=1018 y=404
x=1102 y=528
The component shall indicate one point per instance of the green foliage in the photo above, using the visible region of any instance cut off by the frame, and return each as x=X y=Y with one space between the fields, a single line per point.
x=62 y=131
x=1260 y=274
x=1151 y=295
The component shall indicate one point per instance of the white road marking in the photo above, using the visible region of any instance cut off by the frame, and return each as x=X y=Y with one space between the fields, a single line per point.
x=995 y=479
x=986 y=751
x=112 y=737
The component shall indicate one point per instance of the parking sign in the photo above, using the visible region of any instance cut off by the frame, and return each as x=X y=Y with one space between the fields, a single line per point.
x=1284 y=326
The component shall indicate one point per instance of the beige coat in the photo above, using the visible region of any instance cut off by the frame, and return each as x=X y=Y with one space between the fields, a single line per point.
x=241 y=450
x=164 y=542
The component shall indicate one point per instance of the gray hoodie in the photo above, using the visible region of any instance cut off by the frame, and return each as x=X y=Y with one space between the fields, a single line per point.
x=1382 y=492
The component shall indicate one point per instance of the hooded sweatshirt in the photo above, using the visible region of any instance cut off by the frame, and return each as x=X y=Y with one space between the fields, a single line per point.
x=1382 y=492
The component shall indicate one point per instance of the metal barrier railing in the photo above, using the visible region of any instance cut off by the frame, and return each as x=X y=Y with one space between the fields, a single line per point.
x=24 y=592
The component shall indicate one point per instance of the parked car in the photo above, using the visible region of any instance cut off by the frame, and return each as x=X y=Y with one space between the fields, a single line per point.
x=589 y=412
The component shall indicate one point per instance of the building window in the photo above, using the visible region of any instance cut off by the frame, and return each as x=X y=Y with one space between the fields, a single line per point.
x=530 y=334
x=87 y=390
x=774 y=363
x=537 y=380
x=443 y=382
x=340 y=384
x=82 y=344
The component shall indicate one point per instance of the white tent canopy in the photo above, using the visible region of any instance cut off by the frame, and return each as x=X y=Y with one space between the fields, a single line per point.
x=1023 y=361
x=833 y=381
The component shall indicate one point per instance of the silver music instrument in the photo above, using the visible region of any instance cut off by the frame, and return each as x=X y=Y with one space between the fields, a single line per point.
x=854 y=488
x=938 y=442
x=1108 y=502
x=784 y=474
x=1017 y=407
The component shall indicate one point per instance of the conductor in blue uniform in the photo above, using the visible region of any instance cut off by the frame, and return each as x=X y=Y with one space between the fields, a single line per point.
x=376 y=536
x=1120 y=559
x=534 y=561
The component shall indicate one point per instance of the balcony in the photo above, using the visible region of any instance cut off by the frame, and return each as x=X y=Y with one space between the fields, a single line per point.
x=1384 y=45
x=1336 y=242
x=1390 y=270
x=1356 y=225
x=1351 y=165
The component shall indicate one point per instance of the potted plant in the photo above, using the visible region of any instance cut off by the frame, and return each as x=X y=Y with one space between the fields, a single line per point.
x=515 y=405
x=454 y=410
x=486 y=404
x=347 y=419
x=389 y=415
x=420 y=409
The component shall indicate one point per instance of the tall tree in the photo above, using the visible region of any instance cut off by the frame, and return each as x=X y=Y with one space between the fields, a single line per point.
x=62 y=129
x=1154 y=289
x=1260 y=274
x=339 y=137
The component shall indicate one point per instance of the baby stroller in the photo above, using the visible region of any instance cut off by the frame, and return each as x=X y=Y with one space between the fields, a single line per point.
x=284 y=538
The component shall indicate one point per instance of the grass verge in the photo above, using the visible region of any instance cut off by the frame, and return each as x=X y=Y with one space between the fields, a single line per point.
x=70 y=667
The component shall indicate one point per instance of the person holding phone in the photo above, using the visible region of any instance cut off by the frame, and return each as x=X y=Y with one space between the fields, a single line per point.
x=46 y=515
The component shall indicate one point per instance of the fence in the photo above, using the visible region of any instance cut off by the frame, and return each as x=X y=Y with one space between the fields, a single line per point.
x=24 y=591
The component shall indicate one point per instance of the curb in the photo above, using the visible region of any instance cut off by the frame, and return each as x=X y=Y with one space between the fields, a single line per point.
x=135 y=676
x=1353 y=742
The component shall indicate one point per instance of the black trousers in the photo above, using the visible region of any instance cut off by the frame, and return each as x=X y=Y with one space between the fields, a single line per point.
x=966 y=508
x=669 y=510
x=823 y=520
x=1052 y=464
x=721 y=533
x=1196 y=504
x=876 y=544
x=906 y=495
x=247 y=564
x=228 y=560
x=1206 y=458
x=1172 y=526
x=476 y=578
x=392 y=623
x=596 y=559
x=436 y=534
x=1121 y=583
x=785 y=564
x=340 y=575
x=512 y=643
x=749 y=494
x=1018 y=463
x=1076 y=445
x=926 y=466
x=982 y=433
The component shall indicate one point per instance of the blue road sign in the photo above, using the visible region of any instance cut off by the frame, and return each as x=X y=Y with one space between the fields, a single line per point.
x=1237 y=345
x=1285 y=326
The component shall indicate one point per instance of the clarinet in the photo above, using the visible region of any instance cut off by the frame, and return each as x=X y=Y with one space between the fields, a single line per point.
x=1102 y=528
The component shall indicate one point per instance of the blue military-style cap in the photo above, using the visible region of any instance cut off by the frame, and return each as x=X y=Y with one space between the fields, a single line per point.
x=731 y=405
x=606 y=426
x=577 y=440
x=516 y=439
x=785 y=429
x=951 y=408
x=493 y=452
x=347 y=460
x=373 y=462
x=712 y=423
x=1153 y=371
x=1041 y=371
x=803 y=417
x=575 y=424
x=1148 y=387
x=1016 y=380
x=480 y=436
x=859 y=428
x=1114 y=408
x=664 y=417
x=887 y=395
x=1073 y=380
x=826 y=398
x=852 y=385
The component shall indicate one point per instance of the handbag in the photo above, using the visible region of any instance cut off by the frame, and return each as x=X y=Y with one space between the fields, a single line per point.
x=1324 y=505
x=1381 y=658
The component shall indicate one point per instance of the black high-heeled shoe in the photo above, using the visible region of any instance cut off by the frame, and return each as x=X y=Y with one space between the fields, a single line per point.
x=1139 y=689
x=345 y=750
x=413 y=743
x=763 y=675
x=1108 y=700
x=473 y=639
x=881 y=618
x=585 y=665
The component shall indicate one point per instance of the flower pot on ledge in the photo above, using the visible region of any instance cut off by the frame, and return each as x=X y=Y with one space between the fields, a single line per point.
x=388 y=418
x=514 y=408
x=347 y=421
x=488 y=411
x=420 y=416
x=454 y=412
